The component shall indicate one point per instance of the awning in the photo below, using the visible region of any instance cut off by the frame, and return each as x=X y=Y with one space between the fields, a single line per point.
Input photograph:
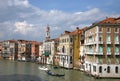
x=46 y=54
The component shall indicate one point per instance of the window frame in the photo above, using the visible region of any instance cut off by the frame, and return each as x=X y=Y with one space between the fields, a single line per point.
x=116 y=30
x=100 y=29
x=116 y=69
x=108 y=69
x=108 y=29
x=100 y=69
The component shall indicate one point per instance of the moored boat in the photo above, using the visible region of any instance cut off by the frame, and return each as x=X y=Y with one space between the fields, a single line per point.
x=54 y=74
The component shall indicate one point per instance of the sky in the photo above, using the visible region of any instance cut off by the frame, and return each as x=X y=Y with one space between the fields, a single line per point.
x=28 y=19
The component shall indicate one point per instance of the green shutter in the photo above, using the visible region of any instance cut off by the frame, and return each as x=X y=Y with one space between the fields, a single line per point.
x=100 y=59
x=116 y=49
x=116 y=59
x=116 y=38
x=108 y=60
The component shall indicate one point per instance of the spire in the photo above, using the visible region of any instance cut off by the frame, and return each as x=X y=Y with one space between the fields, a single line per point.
x=47 y=33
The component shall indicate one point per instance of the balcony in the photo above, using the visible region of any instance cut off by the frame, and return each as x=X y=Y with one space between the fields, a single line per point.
x=90 y=43
x=5 y=51
x=5 y=45
x=99 y=53
x=117 y=53
x=108 y=42
x=100 y=42
x=6 y=55
x=108 y=53
x=62 y=53
x=90 y=52
x=116 y=42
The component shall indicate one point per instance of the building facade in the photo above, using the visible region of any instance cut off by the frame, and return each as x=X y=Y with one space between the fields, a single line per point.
x=82 y=49
x=102 y=48
x=76 y=47
x=10 y=49
x=0 y=49
x=21 y=50
x=66 y=50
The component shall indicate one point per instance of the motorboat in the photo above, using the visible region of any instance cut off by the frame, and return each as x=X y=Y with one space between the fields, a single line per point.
x=54 y=74
x=43 y=68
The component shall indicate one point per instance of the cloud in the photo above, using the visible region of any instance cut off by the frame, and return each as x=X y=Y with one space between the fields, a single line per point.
x=24 y=3
x=20 y=19
x=23 y=27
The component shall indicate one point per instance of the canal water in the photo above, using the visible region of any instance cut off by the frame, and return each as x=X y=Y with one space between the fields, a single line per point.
x=27 y=71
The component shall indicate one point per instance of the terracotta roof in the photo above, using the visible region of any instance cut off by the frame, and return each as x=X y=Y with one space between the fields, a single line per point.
x=76 y=31
x=109 y=21
x=11 y=41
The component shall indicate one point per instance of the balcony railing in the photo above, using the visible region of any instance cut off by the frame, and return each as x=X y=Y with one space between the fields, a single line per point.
x=108 y=42
x=116 y=42
x=5 y=45
x=90 y=43
x=108 y=53
x=100 y=42
x=117 y=53
x=60 y=53
x=5 y=55
x=94 y=53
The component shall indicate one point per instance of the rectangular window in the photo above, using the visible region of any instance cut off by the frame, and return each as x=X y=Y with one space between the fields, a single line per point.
x=108 y=69
x=100 y=48
x=71 y=50
x=94 y=68
x=90 y=39
x=108 y=60
x=100 y=60
x=100 y=69
x=108 y=37
x=116 y=69
x=117 y=60
x=11 y=50
x=116 y=38
x=116 y=49
x=100 y=29
x=108 y=49
x=108 y=29
x=71 y=40
x=100 y=38
x=116 y=29
x=70 y=59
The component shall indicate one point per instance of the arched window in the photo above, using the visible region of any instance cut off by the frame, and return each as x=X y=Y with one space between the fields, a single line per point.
x=108 y=69
x=100 y=69
x=116 y=69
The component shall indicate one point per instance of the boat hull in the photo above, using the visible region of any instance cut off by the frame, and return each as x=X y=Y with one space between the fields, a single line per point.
x=54 y=74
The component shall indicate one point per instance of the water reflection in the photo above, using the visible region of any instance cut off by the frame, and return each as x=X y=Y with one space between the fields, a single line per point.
x=26 y=71
x=19 y=78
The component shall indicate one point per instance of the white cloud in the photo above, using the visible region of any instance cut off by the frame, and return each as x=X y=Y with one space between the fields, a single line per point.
x=18 y=3
x=23 y=27
x=15 y=11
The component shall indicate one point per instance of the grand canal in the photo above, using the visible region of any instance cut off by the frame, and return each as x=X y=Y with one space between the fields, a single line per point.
x=26 y=71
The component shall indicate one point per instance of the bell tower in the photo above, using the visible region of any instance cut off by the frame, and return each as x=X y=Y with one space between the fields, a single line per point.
x=47 y=33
